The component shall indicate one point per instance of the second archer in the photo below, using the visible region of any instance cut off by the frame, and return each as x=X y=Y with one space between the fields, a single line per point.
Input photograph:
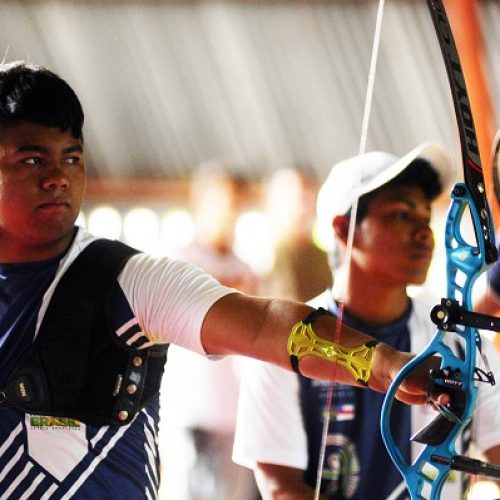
x=392 y=248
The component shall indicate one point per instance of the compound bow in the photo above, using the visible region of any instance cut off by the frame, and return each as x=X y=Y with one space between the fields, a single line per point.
x=458 y=374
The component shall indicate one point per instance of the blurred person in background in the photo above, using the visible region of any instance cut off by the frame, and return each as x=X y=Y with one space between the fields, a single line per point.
x=199 y=395
x=300 y=270
x=392 y=248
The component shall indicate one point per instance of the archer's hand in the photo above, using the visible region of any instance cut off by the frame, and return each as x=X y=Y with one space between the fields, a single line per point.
x=414 y=389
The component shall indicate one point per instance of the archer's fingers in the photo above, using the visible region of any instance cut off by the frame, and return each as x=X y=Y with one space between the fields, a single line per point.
x=411 y=399
x=441 y=399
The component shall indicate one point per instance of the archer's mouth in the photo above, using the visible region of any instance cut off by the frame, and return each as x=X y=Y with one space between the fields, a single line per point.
x=54 y=207
x=422 y=255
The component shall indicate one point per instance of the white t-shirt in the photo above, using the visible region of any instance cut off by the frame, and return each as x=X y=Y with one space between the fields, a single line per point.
x=270 y=427
x=168 y=297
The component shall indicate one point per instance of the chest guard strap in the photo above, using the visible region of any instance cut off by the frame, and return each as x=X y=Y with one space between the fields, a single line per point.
x=77 y=366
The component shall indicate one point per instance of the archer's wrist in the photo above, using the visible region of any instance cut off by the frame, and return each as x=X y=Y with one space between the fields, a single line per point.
x=387 y=362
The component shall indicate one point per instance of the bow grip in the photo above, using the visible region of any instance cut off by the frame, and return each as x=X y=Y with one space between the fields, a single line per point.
x=448 y=381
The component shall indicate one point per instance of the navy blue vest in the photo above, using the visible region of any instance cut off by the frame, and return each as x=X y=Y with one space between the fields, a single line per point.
x=77 y=366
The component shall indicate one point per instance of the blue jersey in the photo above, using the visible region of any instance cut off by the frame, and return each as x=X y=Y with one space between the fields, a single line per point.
x=22 y=287
x=56 y=457
x=356 y=464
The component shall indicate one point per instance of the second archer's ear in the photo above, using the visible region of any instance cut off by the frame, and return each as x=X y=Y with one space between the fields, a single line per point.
x=340 y=226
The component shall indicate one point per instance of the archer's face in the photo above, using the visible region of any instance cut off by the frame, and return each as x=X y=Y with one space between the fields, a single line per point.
x=395 y=242
x=42 y=183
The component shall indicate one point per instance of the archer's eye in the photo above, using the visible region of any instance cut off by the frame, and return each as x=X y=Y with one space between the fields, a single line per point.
x=33 y=160
x=72 y=160
x=403 y=215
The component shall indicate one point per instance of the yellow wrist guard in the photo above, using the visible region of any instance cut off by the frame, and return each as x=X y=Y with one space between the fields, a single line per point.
x=304 y=342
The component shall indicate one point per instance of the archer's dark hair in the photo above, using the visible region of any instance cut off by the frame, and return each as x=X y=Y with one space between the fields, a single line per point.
x=419 y=173
x=35 y=94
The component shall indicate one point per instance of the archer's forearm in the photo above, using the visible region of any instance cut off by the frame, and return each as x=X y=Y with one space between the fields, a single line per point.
x=260 y=328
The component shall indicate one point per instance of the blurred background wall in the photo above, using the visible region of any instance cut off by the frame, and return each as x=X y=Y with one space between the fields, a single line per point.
x=260 y=84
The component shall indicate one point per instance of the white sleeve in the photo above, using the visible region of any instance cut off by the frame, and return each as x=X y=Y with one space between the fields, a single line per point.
x=269 y=426
x=170 y=298
x=486 y=418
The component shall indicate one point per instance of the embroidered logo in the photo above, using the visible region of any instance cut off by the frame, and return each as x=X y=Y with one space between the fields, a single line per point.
x=46 y=422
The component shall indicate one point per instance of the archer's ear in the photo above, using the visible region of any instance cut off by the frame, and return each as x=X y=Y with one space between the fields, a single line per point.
x=340 y=226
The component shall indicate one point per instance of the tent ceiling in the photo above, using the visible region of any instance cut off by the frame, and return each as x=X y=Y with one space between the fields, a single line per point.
x=258 y=85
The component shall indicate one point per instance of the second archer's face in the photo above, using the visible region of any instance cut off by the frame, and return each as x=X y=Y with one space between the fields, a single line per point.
x=42 y=183
x=394 y=242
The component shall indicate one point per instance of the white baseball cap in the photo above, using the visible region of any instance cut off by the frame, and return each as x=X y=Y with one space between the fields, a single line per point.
x=354 y=177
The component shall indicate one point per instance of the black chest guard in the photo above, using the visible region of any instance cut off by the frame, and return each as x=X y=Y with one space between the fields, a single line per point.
x=77 y=366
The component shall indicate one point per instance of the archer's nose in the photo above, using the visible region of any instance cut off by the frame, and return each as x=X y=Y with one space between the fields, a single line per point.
x=424 y=235
x=56 y=179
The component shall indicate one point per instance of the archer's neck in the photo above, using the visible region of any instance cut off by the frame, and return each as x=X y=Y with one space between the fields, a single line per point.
x=370 y=300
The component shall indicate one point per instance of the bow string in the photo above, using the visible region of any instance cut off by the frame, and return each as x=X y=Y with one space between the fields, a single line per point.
x=350 y=237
